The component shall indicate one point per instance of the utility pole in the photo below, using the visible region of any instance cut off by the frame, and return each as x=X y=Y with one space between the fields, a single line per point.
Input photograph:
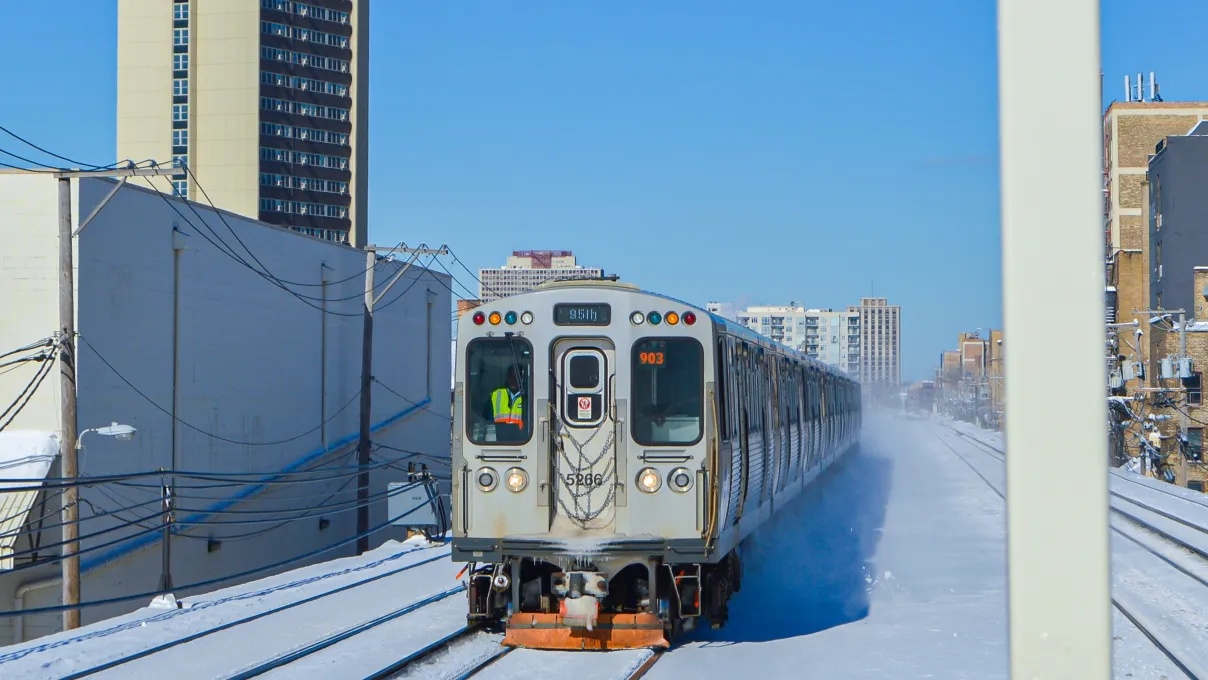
x=1183 y=413
x=367 y=378
x=67 y=373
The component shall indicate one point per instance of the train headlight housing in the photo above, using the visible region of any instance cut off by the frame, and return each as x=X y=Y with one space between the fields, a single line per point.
x=516 y=480
x=510 y=318
x=689 y=318
x=479 y=318
x=654 y=318
x=680 y=480
x=526 y=318
x=637 y=318
x=495 y=318
x=487 y=479
x=649 y=480
x=671 y=318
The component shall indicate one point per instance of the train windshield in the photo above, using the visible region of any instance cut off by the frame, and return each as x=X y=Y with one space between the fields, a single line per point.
x=668 y=383
x=499 y=383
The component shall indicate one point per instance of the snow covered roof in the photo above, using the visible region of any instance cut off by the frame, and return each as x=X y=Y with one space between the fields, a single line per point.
x=23 y=455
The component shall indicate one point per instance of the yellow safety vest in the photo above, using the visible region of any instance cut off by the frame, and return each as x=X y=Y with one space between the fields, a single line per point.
x=507 y=410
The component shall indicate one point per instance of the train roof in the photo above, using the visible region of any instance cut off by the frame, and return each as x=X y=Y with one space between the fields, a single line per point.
x=731 y=327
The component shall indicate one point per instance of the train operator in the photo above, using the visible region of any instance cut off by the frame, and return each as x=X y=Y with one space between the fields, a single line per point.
x=507 y=406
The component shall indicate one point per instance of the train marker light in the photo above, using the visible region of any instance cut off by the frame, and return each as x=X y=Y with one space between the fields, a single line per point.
x=654 y=318
x=510 y=318
x=479 y=318
x=526 y=318
x=487 y=479
x=689 y=318
x=672 y=318
x=516 y=480
x=637 y=318
x=648 y=480
x=680 y=480
x=495 y=318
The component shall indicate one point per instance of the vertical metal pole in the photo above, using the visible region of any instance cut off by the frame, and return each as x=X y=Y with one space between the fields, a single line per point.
x=165 y=572
x=366 y=405
x=177 y=247
x=323 y=360
x=1060 y=616
x=67 y=414
x=1185 y=413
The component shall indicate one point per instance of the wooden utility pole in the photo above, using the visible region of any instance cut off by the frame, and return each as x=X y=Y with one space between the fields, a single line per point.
x=67 y=374
x=367 y=379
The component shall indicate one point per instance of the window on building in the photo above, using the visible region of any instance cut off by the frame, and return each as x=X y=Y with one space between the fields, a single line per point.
x=1195 y=394
x=180 y=62
x=181 y=188
x=668 y=386
x=1196 y=485
x=180 y=11
x=180 y=87
x=180 y=138
x=489 y=361
x=180 y=36
x=180 y=112
x=1195 y=443
x=180 y=161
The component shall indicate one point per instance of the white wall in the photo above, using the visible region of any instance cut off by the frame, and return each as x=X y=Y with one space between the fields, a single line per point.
x=250 y=369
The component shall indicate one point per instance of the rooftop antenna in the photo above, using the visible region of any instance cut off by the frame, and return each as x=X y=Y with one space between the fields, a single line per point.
x=1127 y=88
x=1152 y=87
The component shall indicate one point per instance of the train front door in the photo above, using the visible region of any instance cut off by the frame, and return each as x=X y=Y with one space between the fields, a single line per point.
x=583 y=459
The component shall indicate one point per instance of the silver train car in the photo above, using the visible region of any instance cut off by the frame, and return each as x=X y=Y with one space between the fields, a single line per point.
x=612 y=448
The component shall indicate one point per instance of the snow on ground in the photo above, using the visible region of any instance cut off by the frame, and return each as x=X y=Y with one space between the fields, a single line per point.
x=57 y=655
x=892 y=565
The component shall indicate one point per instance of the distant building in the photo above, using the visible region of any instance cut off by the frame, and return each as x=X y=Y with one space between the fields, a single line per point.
x=833 y=337
x=1178 y=219
x=464 y=306
x=880 y=342
x=785 y=325
x=527 y=269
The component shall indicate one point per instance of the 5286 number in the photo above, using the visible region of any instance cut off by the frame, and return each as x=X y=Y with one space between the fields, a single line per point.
x=583 y=479
x=651 y=358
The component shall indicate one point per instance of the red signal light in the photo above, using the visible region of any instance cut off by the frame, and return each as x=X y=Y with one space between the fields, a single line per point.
x=479 y=318
x=689 y=318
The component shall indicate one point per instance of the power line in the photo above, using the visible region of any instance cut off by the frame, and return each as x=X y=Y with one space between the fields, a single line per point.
x=151 y=401
x=51 y=153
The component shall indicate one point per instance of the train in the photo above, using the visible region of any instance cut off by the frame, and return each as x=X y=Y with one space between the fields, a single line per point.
x=612 y=448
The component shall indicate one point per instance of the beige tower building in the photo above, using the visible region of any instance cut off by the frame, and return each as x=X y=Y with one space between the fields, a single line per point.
x=880 y=342
x=265 y=102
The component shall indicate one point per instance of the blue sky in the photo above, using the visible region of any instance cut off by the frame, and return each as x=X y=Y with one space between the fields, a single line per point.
x=760 y=153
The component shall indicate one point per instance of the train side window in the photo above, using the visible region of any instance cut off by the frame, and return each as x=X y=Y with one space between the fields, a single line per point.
x=668 y=391
x=719 y=382
x=499 y=410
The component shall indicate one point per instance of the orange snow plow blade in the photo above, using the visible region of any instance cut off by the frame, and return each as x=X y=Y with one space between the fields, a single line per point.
x=612 y=631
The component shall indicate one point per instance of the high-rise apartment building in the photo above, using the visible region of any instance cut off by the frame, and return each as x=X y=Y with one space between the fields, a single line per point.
x=833 y=337
x=265 y=103
x=527 y=269
x=785 y=325
x=880 y=341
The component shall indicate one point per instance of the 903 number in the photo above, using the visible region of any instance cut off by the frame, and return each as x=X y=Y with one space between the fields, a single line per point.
x=651 y=358
x=583 y=479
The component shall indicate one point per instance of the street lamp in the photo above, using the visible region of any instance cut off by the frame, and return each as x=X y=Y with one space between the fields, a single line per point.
x=71 y=529
x=122 y=433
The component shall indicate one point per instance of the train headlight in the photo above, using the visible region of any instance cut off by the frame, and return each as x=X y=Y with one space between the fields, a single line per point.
x=649 y=480
x=516 y=480
x=510 y=318
x=637 y=318
x=479 y=318
x=689 y=318
x=654 y=318
x=487 y=479
x=526 y=318
x=671 y=318
x=680 y=480
x=495 y=318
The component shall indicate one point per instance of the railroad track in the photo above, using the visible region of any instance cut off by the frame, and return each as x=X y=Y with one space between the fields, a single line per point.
x=171 y=644
x=477 y=664
x=1146 y=629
